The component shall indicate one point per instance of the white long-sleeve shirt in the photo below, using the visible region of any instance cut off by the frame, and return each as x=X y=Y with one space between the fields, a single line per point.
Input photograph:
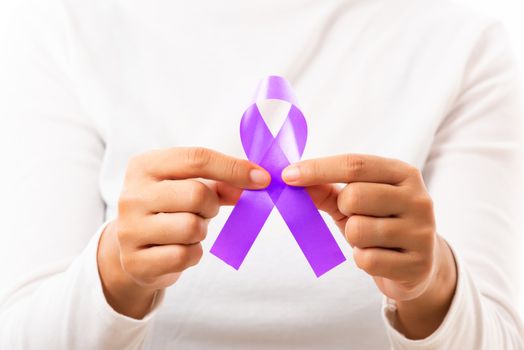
x=84 y=85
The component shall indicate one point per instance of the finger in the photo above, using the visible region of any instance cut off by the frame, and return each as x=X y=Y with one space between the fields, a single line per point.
x=227 y=194
x=149 y=264
x=325 y=199
x=387 y=263
x=185 y=163
x=192 y=196
x=374 y=199
x=370 y=232
x=347 y=168
x=172 y=228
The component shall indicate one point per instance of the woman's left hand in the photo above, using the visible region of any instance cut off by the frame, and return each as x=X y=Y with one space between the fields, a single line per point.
x=386 y=215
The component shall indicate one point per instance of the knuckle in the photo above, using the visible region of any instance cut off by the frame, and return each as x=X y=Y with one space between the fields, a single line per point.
x=235 y=169
x=315 y=170
x=427 y=237
x=354 y=231
x=342 y=204
x=356 y=196
x=423 y=202
x=366 y=261
x=180 y=259
x=128 y=202
x=351 y=200
x=214 y=208
x=354 y=165
x=197 y=193
x=195 y=227
x=176 y=262
x=125 y=234
x=192 y=223
x=197 y=157
x=197 y=253
x=370 y=263
x=358 y=256
x=186 y=256
x=413 y=172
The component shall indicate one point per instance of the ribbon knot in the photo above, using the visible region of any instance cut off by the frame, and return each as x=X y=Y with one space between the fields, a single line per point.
x=294 y=204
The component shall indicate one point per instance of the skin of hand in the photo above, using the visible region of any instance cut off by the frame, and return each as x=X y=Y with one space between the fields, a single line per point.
x=386 y=215
x=167 y=200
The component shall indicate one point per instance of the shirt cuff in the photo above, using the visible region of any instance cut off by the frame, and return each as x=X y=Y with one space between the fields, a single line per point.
x=451 y=326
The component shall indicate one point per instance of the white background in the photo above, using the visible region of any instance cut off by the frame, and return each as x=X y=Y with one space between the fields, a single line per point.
x=511 y=13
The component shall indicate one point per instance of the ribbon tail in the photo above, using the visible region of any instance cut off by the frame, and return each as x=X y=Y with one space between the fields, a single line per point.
x=242 y=227
x=309 y=229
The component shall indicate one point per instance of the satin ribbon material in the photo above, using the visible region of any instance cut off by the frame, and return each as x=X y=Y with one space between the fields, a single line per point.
x=294 y=204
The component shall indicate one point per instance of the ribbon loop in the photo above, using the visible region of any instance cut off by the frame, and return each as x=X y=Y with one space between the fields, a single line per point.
x=294 y=204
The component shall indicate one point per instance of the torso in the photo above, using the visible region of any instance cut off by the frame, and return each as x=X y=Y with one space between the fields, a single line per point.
x=371 y=77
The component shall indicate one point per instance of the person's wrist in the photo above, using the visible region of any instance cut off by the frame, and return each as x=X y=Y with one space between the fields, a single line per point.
x=123 y=294
x=420 y=317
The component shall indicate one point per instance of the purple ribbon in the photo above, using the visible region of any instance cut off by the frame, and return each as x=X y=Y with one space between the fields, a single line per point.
x=294 y=204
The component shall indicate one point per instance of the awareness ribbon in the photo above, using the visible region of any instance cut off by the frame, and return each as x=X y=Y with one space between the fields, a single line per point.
x=294 y=204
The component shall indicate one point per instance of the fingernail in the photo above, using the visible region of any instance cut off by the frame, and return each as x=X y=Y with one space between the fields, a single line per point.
x=258 y=177
x=291 y=173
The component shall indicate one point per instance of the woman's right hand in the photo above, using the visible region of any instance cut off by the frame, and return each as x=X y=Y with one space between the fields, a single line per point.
x=167 y=200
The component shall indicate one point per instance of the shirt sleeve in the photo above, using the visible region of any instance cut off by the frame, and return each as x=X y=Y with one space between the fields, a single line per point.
x=51 y=211
x=474 y=174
